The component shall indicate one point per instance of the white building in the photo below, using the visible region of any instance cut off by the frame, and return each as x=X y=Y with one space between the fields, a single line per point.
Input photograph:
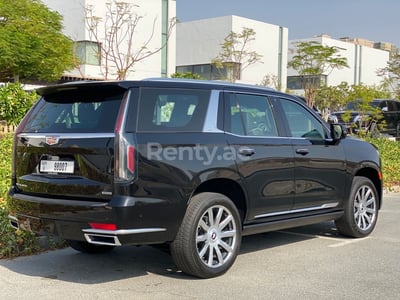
x=198 y=42
x=363 y=63
x=156 y=16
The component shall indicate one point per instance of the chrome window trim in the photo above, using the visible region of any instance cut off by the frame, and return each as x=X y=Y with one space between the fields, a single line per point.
x=263 y=93
x=211 y=121
x=259 y=136
x=323 y=206
x=126 y=102
x=88 y=135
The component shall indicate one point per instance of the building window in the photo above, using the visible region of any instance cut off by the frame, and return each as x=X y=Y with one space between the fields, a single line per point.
x=203 y=70
x=299 y=82
x=227 y=72
x=88 y=53
x=209 y=71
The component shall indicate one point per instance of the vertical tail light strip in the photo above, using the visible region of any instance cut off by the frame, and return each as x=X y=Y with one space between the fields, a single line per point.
x=124 y=147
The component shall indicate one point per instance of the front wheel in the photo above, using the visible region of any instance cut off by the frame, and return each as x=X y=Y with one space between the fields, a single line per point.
x=209 y=237
x=361 y=209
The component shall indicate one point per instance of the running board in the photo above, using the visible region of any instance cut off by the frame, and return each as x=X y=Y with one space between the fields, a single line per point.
x=289 y=223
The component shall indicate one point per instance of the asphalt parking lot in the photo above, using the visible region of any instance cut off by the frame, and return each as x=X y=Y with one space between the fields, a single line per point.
x=311 y=262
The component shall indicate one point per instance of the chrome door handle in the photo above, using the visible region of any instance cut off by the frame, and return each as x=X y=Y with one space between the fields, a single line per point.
x=246 y=151
x=302 y=151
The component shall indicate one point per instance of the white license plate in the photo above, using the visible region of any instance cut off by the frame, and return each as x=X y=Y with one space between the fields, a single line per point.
x=57 y=166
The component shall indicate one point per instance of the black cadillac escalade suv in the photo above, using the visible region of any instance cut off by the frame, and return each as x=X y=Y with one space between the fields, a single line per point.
x=190 y=164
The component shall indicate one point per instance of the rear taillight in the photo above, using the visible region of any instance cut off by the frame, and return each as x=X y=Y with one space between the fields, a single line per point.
x=125 y=154
x=125 y=160
x=19 y=130
x=130 y=158
x=103 y=226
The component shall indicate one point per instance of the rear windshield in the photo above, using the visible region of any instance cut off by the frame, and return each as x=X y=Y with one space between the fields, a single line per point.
x=75 y=114
x=174 y=110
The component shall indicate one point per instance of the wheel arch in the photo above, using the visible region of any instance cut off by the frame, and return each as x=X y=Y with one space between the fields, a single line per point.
x=227 y=187
x=375 y=177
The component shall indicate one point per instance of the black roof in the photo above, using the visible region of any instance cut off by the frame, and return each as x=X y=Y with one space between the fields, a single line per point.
x=160 y=82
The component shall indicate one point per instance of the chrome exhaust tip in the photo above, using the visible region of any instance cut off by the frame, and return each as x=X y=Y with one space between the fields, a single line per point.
x=13 y=222
x=101 y=239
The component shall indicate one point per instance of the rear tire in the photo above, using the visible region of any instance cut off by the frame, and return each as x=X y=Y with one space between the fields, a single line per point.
x=209 y=237
x=361 y=209
x=86 y=247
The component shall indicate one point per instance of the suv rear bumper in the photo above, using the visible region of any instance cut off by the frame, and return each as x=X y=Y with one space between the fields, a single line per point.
x=137 y=221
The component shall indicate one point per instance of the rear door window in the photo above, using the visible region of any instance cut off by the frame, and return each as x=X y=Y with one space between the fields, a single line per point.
x=396 y=105
x=249 y=115
x=172 y=109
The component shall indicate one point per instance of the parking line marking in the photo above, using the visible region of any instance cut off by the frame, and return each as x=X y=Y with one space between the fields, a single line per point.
x=340 y=241
x=346 y=242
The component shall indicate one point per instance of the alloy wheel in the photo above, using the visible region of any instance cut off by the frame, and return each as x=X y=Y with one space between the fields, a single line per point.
x=364 y=208
x=216 y=236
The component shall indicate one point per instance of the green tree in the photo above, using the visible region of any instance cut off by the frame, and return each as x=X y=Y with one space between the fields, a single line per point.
x=333 y=98
x=31 y=43
x=235 y=55
x=371 y=116
x=311 y=61
x=391 y=73
x=271 y=80
x=367 y=93
x=15 y=102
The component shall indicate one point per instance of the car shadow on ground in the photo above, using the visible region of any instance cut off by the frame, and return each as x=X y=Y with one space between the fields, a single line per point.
x=130 y=261
x=273 y=239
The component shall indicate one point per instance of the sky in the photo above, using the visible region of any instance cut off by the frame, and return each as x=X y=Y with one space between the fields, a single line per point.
x=375 y=20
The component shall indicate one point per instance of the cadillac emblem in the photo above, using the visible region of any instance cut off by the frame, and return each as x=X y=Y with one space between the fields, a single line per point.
x=52 y=140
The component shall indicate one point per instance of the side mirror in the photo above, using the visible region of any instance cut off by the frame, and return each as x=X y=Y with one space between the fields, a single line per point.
x=338 y=131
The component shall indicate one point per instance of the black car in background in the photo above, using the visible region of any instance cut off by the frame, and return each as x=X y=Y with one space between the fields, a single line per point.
x=388 y=124
x=191 y=164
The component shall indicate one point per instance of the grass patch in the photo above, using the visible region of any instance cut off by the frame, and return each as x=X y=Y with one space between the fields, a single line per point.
x=390 y=155
x=14 y=242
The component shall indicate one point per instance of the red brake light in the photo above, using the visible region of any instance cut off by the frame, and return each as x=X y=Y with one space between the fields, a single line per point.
x=131 y=158
x=103 y=226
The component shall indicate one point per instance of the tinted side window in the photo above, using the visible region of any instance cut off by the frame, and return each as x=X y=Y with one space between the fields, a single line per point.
x=172 y=109
x=388 y=106
x=396 y=105
x=301 y=122
x=249 y=115
x=71 y=114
